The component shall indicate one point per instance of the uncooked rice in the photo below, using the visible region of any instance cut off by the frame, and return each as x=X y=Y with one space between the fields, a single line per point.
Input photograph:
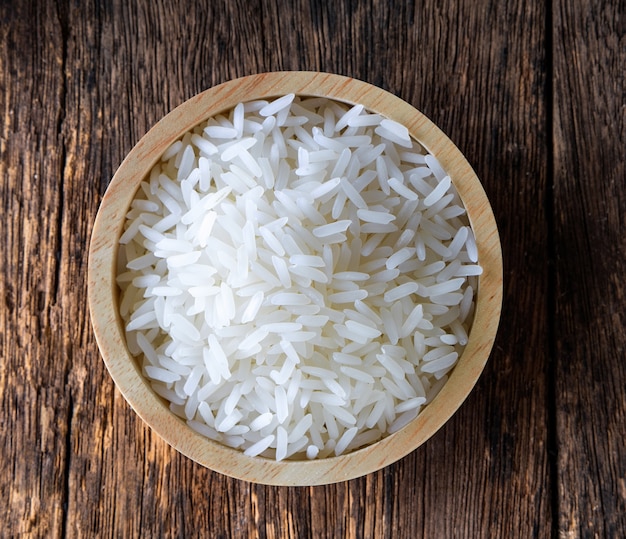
x=298 y=277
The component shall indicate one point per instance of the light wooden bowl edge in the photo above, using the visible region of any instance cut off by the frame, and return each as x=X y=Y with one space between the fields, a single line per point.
x=109 y=331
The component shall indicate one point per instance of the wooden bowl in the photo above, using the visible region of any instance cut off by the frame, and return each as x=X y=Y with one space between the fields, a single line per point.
x=104 y=295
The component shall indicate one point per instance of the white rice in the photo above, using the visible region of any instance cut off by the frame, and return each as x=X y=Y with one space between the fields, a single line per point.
x=299 y=277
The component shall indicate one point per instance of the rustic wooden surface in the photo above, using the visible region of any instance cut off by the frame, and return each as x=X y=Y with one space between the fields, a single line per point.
x=534 y=95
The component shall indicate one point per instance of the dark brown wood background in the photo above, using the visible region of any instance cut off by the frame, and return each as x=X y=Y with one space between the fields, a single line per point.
x=533 y=93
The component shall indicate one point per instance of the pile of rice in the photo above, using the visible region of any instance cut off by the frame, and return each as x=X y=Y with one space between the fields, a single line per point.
x=297 y=277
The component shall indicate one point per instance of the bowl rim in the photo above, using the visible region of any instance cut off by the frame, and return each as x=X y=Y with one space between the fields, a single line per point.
x=103 y=295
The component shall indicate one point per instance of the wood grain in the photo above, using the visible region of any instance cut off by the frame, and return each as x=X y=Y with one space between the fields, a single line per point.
x=590 y=250
x=36 y=410
x=524 y=89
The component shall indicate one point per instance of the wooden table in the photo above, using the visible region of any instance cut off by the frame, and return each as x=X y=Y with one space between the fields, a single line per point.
x=533 y=93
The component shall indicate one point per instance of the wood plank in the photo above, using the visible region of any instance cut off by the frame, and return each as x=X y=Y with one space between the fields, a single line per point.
x=126 y=481
x=590 y=247
x=487 y=472
x=34 y=352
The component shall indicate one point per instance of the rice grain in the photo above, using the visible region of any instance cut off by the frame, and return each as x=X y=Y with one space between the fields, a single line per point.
x=298 y=277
